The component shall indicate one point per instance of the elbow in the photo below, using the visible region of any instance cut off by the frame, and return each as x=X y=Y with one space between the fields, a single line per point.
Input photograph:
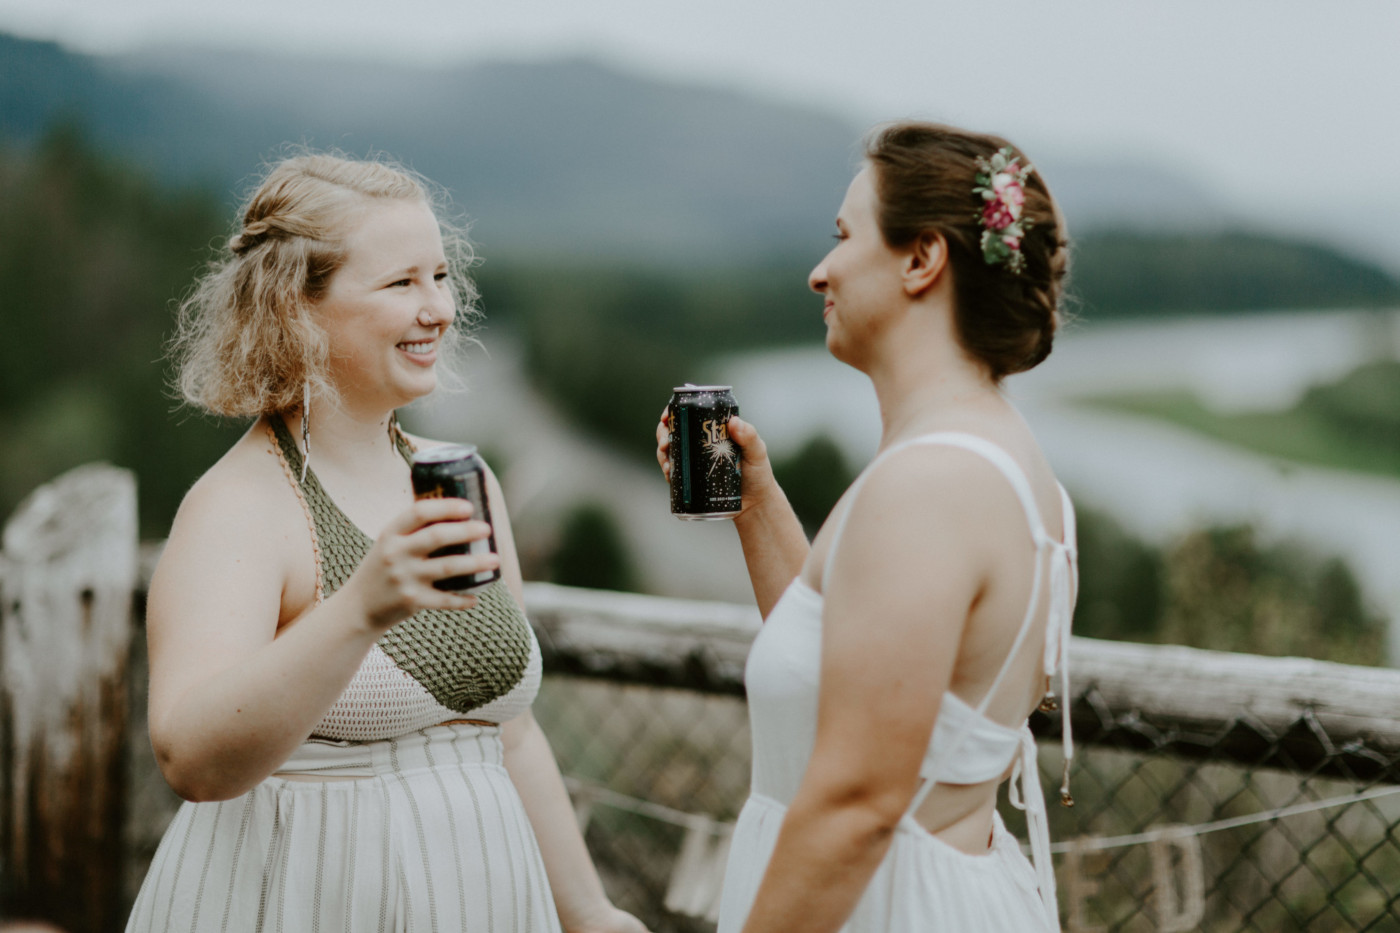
x=199 y=787
x=187 y=782
x=866 y=812
x=194 y=780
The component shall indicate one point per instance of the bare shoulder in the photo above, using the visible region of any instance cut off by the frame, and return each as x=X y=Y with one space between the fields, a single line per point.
x=954 y=480
x=924 y=501
x=243 y=511
x=934 y=480
x=248 y=485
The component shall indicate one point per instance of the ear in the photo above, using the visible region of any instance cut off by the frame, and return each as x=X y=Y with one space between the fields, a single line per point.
x=924 y=263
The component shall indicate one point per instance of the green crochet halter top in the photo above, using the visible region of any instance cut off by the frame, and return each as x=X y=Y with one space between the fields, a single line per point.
x=464 y=658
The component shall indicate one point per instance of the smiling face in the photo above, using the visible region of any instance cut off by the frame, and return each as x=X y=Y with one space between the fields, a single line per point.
x=860 y=277
x=386 y=308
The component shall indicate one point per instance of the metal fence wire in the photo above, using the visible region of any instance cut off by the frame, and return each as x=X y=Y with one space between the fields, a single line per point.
x=1239 y=829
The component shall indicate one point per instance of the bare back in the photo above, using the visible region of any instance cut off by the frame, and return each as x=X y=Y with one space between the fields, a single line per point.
x=991 y=525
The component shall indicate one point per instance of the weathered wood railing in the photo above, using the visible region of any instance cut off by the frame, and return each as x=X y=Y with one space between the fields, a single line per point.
x=71 y=566
x=1126 y=694
x=69 y=571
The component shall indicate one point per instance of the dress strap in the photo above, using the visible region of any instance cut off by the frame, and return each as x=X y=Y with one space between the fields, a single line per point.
x=1025 y=794
x=1064 y=592
x=294 y=468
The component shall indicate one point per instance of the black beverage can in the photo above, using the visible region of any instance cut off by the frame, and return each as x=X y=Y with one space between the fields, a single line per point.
x=454 y=471
x=704 y=459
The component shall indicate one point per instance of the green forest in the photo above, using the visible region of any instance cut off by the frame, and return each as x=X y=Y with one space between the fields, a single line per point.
x=93 y=254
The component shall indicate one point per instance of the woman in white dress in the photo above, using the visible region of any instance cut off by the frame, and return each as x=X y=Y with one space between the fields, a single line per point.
x=355 y=745
x=904 y=649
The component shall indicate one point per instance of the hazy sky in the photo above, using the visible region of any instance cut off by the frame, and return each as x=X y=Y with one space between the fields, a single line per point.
x=1288 y=110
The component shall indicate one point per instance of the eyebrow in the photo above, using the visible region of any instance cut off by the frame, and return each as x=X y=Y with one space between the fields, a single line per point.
x=394 y=275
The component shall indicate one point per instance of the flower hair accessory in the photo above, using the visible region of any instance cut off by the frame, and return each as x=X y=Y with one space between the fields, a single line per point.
x=1002 y=185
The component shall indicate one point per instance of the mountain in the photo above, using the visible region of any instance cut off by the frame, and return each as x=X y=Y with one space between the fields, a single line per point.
x=1124 y=195
x=566 y=156
x=571 y=159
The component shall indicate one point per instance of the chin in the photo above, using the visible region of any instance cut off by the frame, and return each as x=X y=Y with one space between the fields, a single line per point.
x=841 y=352
x=833 y=345
x=407 y=394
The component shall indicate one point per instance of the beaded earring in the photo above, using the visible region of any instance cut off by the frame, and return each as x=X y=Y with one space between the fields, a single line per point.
x=305 y=427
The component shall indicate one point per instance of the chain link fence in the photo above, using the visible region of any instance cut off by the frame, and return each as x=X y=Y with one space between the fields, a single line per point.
x=1163 y=836
x=1212 y=791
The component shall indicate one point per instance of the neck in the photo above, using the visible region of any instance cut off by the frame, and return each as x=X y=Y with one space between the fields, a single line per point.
x=913 y=404
x=925 y=381
x=340 y=436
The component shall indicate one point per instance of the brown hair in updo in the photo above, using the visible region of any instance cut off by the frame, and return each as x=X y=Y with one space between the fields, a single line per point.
x=924 y=176
x=247 y=339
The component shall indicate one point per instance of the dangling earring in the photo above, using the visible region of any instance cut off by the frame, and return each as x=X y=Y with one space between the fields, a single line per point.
x=305 y=427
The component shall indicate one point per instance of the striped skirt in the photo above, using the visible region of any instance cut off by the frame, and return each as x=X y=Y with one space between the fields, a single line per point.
x=424 y=832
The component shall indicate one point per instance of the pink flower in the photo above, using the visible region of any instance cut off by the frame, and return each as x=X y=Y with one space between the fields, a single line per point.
x=997 y=215
x=1013 y=194
x=1012 y=241
x=1010 y=192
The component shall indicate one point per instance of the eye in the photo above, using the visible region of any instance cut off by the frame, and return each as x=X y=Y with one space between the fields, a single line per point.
x=400 y=282
x=440 y=277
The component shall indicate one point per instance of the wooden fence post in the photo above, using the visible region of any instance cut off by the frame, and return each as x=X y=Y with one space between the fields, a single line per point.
x=67 y=571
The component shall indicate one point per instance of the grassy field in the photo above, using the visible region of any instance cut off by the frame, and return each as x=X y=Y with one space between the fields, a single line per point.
x=1352 y=424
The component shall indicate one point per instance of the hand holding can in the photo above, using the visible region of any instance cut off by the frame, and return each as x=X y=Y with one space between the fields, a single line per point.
x=454 y=471
x=705 y=474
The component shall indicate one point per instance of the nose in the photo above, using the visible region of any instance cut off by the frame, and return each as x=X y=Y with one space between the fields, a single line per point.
x=438 y=309
x=816 y=279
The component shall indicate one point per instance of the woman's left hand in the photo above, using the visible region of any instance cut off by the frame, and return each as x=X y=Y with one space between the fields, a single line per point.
x=611 y=920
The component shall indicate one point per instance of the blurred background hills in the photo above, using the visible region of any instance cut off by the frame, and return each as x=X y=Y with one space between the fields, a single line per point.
x=637 y=232
x=578 y=158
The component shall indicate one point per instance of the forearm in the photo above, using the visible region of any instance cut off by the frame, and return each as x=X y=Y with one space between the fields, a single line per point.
x=219 y=737
x=775 y=546
x=825 y=857
x=578 y=892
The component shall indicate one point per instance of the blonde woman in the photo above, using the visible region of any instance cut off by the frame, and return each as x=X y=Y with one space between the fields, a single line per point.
x=903 y=650
x=355 y=746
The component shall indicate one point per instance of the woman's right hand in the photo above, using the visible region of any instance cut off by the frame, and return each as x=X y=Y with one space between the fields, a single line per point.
x=756 y=478
x=395 y=579
x=663 y=442
x=756 y=472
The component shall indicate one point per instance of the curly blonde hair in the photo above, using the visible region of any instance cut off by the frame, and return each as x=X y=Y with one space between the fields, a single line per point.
x=246 y=340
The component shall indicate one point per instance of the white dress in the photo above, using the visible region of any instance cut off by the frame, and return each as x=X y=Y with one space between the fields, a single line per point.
x=923 y=884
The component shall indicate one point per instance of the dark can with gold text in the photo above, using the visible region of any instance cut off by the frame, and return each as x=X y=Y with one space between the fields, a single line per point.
x=704 y=460
x=454 y=471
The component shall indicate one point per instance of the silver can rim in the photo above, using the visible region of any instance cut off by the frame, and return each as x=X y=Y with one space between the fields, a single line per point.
x=444 y=453
x=689 y=388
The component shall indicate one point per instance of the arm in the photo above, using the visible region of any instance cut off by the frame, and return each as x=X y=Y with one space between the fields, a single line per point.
x=906 y=575
x=231 y=694
x=578 y=892
x=775 y=547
